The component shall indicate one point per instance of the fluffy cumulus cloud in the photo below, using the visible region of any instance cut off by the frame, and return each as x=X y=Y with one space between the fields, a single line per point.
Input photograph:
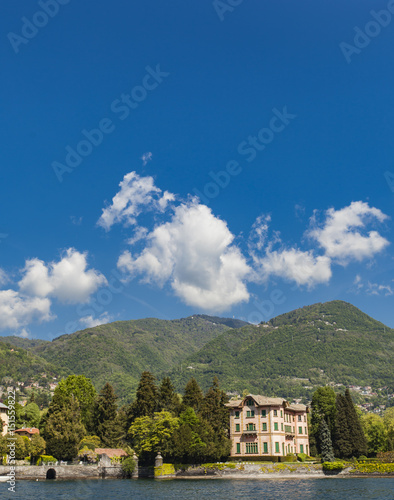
x=136 y=194
x=343 y=237
x=68 y=280
x=194 y=251
x=18 y=310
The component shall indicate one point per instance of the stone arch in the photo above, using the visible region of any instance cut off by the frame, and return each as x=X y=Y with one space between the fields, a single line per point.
x=51 y=474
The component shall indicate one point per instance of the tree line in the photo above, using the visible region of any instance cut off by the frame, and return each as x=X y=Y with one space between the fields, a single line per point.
x=188 y=428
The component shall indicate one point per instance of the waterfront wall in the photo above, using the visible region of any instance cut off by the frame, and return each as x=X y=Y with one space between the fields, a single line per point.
x=63 y=471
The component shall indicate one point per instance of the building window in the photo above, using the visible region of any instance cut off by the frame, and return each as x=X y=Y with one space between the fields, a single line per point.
x=237 y=414
x=276 y=447
x=250 y=413
x=251 y=448
x=264 y=426
x=281 y=414
x=275 y=413
x=250 y=402
x=299 y=418
x=263 y=413
x=301 y=448
x=305 y=431
x=288 y=428
x=306 y=446
x=276 y=426
x=238 y=447
x=281 y=427
x=236 y=427
x=265 y=447
x=299 y=430
x=251 y=427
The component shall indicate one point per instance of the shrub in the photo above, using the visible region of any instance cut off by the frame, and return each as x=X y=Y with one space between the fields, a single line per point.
x=128 y=466
x=44 y=459
x=87 y=455
x=301 y=457
x=333 y=466
x=290 y=458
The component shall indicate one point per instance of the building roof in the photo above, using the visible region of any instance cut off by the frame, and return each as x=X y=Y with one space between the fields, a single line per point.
x=265 y=401
x=29 y=430
x=3 y=406
x=111 y=452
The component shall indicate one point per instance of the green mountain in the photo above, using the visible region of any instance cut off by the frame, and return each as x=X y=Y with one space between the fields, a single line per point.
x=118 y=352
x=314 y=345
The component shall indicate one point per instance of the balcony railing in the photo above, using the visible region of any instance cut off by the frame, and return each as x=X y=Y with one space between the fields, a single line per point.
x=249 y=431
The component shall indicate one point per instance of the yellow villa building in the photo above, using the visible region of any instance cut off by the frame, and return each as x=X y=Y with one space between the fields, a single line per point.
x=261 y=426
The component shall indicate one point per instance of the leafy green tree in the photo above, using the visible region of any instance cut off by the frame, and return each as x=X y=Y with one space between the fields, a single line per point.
x=22 y=447
x=188 y=447
x=193 y=396
x=87 y=455
x=37 y=446
x=146 y=402
x=168 y=399
x=63 y=428
x=154 y=434
x=128 y=466
x=327 y=453
x=388 y=420
x=375 y=432
x=323 y=407
x=105 y=422
x=83 y=391
x=31 y=415
x=91 y=442
x=3 y=447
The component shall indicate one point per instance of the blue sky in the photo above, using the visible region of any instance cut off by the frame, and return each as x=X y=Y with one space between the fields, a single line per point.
x=165 y=159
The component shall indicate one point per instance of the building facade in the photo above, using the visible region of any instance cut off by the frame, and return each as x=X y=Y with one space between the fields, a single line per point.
x=4 y=418
x=267 y=426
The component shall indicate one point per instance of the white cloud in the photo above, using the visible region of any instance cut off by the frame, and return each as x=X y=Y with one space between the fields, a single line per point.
x=90 y=321
x=18 y=310
x=341 y=238
x=67 y=280
x=259 y=232
x=193 y=252
x=24 y=333
x=376 y=289
x=146 y=157
x=135 y=194
x=3 y=277
x=295 y=265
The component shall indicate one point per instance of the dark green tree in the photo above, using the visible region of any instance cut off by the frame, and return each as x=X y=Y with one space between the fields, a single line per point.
x=168 y=399
x=63 y=429
x=214 y=410
x=359 y=443
x=193 y=396
x=343 y=447
x=146 y=402
x=31 y=415
x=104 y=419
x=327 y=453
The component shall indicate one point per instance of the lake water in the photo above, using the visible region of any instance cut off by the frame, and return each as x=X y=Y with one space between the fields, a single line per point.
x=200 y=489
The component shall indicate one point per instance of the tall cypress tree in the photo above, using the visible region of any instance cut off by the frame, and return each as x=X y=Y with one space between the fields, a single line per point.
x=168 y=399
x=359 y=443
x=343 y=446
x=213 y=409
x=327 y=453
x=193 y=396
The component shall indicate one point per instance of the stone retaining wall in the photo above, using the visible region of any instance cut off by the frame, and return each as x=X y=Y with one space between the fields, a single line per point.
x=63 y=471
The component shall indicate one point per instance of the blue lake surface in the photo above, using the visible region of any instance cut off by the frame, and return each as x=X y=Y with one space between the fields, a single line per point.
x=199 y=489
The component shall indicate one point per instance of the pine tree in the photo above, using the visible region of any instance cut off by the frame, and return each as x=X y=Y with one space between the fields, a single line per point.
x=168 y=400
x=213 y=409
x=343 y=446
x=359 y=443
x=193 y=396
x=105 y=421
x=327 y=453
x=146 y=402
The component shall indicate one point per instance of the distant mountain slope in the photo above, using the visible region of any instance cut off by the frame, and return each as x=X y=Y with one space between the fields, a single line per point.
x=21 y=365
x=118 y=352
x=22 y=342
x=230 y=322
x=291 y=353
